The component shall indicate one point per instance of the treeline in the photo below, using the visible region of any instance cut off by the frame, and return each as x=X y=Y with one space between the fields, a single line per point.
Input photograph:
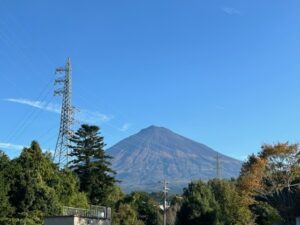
x=32 y=186
x=266 y=193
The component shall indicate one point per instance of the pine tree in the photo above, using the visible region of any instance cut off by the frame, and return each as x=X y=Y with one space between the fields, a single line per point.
x=91 y=164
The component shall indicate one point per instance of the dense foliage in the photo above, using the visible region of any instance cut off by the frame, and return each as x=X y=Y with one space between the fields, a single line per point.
x=91 y=164
x=232 y=210
x=216 y=203
x=32 y=186
x=199 y=206
x=142 y=208
x=267 y=192
x=270 y=183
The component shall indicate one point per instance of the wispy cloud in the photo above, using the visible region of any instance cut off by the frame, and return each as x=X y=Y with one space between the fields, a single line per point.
x=231 y=11
x=11 y=146
x=83 y=115
x=51 y=107
x=125 y=127
x=92 y=116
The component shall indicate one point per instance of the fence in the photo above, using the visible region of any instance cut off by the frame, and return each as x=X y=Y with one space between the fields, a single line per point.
x=98 y=212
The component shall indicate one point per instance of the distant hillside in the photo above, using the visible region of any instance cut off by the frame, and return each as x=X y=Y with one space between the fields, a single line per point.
x=155 y=153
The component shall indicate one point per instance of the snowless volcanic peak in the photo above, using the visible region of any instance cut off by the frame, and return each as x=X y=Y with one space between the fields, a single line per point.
x=157 y=153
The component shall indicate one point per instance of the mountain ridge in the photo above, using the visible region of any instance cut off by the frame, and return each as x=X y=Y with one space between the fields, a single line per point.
x=156 y=153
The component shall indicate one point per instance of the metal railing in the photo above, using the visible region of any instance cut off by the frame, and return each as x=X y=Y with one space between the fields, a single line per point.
x=98 y=212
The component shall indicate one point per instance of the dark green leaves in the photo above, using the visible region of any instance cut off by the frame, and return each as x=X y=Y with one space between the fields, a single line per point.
x=91 y=164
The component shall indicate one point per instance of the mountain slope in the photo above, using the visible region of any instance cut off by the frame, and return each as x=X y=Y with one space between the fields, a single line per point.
x=155 y=153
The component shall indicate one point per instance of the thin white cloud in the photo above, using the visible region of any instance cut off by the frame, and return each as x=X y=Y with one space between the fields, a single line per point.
x=125 y=127
x=11 y=146
x=92 y=117
x=231 y=11
x=82 y=116
x=37 y=104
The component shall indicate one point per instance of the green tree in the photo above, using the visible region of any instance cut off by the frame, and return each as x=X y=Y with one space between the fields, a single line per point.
x=5 y=207
x=233 y=211
x=266 y=214
x=36 y=187
x=32 y=177
x=145 y=206
x=113 y=200
x=67 y=189
x=127 y=215
x=91 y=164
x=199 y=206
x=114 y=196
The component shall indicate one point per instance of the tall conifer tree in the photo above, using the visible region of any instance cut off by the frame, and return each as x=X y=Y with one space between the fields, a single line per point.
x=91 y=164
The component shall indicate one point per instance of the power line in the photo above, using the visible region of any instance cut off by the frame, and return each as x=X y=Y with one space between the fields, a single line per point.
x=29 y=117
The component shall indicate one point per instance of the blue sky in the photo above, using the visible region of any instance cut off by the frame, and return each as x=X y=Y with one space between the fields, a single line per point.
x=224 y=73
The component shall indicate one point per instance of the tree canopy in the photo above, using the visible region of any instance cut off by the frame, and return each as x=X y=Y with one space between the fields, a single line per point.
x=199 y=206
x=35 y=187
x=232 y=209
x=146 y=207
x=267 y=181
x=91 y=164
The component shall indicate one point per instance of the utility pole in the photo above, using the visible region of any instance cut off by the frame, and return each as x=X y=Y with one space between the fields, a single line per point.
x=218 y=167
x=165 y=206
x=64 y=89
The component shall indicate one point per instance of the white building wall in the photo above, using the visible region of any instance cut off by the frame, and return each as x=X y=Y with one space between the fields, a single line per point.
x=74 y=220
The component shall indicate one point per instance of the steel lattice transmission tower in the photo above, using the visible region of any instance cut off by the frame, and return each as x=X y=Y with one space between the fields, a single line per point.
x=64 y=89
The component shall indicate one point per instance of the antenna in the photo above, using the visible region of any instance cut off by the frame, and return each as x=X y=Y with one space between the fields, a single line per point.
x=64 y=82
